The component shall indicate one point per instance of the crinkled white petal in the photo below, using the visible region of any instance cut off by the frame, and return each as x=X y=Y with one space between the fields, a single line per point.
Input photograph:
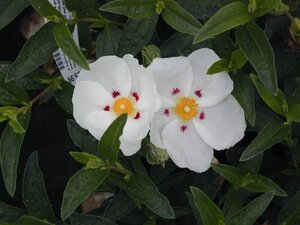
x=98 y=121
x=142 y=83
x=214 y=88
x=172 y=74
x=129 y=148
x=224 y=124
x=186 y=149
x=159 y=122
x=111 y=72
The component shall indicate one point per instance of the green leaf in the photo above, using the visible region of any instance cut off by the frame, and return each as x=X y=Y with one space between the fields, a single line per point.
x=149 y=53
x=82 y=157
x=11 y=93
x=231 y=173
x=109 y=144
x=209 y=211
x=141 y=189
x=233 y=202
x=35 y=52
x=10 y=214
x=228 y=17
x=10 y=9
x=134 y=9
x=136 y=34
x=79 y=188
x=262 y=184
x=34 y=191
x=108 y=40
x=30 y=220
x=295 y=97
x=238 y=60
x=65 y=41
x=255 y=45
x=64 y=95
x=263 y=7
x=179 y=19
x=80 y=219
x=244 y=94
x=249 y=213
x=10 y=145
x=290 y=212
x=277 y=103
x=270 y=135
x=294 y=113
x=45 y=9
x=221 y=65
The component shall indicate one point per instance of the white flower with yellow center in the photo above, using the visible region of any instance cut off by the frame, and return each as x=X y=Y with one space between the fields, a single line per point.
x=112 y=87
x=198 y=113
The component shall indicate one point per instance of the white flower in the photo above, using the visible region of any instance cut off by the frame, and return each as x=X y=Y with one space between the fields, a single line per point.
x=198 y=113
x=112 y=87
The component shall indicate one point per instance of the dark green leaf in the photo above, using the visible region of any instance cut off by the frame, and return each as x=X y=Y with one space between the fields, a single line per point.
x=209 y=211
x=194 y=208
x=229 y=172
x=238 y=60
x=263 y=184
x=10 y=214
x=257 y=49
x=10 y=145
x=79 y=187
x=108 y=40
x=234 y=202
x=11 y=93
x=109 y=144
x=295 y=97
x=35 y=52
x=135 y=35
x=221 y=65
x=244 y=93
x=64 y=96
x=65 y=41
x=30 y=220
x=141 y=189
x=178 y=18
x=294 y=113
x=263 y=7
x=9 y=9
x=290 y=212
x=270 y=135
x=79 y=219
x=35 y=196
x=249 y=214
x=45 y=9
x=223 y=46
x=277 y=103
x=134 y=9
x=228 y=17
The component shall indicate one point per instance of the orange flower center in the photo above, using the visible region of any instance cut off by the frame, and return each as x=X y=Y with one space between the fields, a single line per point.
x=123 y=105
x=186 y=108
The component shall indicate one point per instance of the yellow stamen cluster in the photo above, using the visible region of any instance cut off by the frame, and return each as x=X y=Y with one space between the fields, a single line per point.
x=186 y=108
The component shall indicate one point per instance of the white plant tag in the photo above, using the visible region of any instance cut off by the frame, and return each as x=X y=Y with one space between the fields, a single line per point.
x=66 y=66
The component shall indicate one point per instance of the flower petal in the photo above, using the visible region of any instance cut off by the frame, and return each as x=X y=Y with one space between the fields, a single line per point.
x=111 y=72
x=160 y=120
x=98 y=121
x=173 y=76
x=223 y=124
x=214 y=88
x=143 y=84
x=186 y=149
x=129 y=148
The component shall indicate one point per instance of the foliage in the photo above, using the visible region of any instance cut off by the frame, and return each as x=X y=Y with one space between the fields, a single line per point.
x=258 y=44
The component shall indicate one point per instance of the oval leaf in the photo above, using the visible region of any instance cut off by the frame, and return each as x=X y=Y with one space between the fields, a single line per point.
x=35 y=52
x=34 y=192
x=79 y=187
x=45 y=9
x=256 y=47
x=209 y=211
x=65 y=41
x=228 y=17
x=10 y=145
x=10 y=214
x=290 y=213
x=178 y=18
x=270 y=135
x=249 y=214
x=77 y=219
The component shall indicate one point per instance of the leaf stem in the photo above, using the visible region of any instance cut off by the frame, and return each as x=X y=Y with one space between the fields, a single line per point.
x=121 y=169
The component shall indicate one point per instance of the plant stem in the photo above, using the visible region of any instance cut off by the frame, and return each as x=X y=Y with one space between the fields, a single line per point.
x=42 y=94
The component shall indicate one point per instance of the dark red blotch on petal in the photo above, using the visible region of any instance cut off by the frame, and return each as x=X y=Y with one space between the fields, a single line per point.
x=198 y=93
x=175 y=91
x=137 y=116
x=183 y=128
x=115 y=94
x=136 y=96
